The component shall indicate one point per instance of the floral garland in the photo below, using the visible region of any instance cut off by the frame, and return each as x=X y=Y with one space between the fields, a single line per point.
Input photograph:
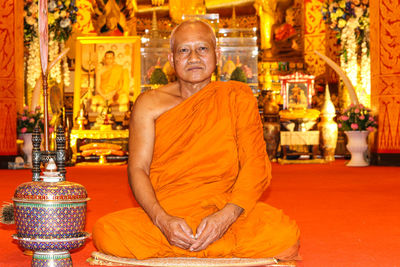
x=353 y=14
x=350 y=19
x=61 y=17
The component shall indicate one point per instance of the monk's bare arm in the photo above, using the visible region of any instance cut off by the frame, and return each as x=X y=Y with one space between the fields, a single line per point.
x=141 y=143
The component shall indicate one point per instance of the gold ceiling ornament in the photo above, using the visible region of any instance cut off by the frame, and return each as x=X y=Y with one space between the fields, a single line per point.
x=112 y=17
x=178 y=8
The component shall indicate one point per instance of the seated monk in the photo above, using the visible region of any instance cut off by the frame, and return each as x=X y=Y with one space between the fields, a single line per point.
x=197 y=167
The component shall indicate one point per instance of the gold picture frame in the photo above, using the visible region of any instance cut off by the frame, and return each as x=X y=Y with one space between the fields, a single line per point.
x=107 y=74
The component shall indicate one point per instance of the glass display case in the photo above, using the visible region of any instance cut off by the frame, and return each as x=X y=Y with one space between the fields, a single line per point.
x=239 y=56
x=155 y=68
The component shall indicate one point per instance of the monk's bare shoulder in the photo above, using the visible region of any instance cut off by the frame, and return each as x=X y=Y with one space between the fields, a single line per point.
x=155 y=102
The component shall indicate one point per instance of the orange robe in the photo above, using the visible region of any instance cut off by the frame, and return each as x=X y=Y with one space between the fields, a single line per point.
x=209 y=150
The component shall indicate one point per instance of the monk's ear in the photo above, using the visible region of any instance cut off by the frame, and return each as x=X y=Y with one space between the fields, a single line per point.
x=171 y=59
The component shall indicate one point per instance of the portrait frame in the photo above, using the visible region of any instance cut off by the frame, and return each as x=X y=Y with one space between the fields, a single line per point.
x=297 y=90
x=89 y=66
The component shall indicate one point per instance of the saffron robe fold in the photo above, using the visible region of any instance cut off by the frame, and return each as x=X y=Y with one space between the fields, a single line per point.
x=209 y=150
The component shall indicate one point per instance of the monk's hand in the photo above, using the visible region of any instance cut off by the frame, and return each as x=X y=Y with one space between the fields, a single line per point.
x=214 y=226
x=176 y=230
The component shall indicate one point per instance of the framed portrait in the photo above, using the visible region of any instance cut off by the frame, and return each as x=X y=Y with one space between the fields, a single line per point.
x=107 y=74
x=297 y=90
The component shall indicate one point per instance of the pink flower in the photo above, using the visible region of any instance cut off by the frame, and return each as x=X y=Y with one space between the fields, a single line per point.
x=339 y=125
x=362 y=117
x=26 y=107
x=371 y=118
x=361 y=106
x=24 y=118
x=354 y=126
x=32 y=120
x=37 y=108
x=51 y=129
x=23 y=130
x=357 y=110
x=352 y=105
x=370 y=128
x=31 y=112
x=344 y=118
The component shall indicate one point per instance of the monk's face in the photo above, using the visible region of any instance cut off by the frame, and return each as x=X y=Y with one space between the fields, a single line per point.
x=194 y=53
x=109 y=59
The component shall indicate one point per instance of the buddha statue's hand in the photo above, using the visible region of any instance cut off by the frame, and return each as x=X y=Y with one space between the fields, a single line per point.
x=176 y=230
x=214 y=226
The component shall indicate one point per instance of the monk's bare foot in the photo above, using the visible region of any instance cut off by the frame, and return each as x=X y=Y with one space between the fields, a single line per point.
x=290 y=254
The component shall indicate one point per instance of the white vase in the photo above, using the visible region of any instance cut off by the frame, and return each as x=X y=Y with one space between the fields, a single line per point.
x=27 y=147
x=358 y=147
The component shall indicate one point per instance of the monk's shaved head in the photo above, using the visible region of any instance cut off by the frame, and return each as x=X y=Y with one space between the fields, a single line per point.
x=187 y=24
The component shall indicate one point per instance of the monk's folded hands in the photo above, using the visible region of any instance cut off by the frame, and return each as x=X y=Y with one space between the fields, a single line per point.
x=176 y=230
x=214 y=226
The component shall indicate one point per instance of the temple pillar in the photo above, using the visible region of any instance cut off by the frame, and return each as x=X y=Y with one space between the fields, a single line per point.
x=11 y=74
x=385 y=79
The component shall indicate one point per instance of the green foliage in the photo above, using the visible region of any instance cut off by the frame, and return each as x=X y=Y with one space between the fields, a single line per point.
x=239 y=75
x=158 y=77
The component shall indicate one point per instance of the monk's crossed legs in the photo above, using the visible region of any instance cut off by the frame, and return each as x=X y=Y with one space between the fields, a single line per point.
x=265 y=232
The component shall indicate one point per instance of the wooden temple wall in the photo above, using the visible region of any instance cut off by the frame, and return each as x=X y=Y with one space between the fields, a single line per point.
x=11 y=72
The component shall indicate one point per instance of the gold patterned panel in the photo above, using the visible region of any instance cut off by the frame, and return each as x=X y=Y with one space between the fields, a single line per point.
x=7 y=88
x=389 y=124
x=83 y=20
x=315 y=65
x=314 y=42
x=8 y=127
x=7 y=42
x=389 y=85
x=313 y=16
x=390 y=37
x=314 y=36
x=11 y=72
x=385 y=72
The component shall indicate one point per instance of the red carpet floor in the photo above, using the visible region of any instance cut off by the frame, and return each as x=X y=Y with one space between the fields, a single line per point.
x=347 y=216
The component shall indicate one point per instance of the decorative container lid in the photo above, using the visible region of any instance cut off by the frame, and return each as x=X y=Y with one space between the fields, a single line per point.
x=50 y=188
